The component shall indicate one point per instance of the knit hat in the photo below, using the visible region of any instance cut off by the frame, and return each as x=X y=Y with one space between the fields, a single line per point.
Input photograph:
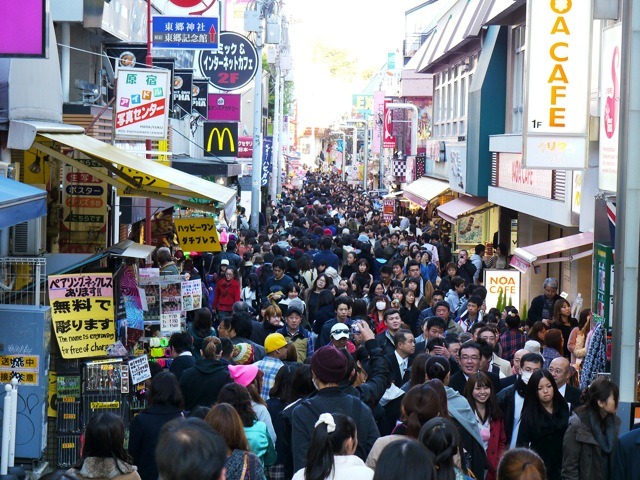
x=329 y=364
x=532 y=346
x=294 y=307
x=273 y=342
x=243 y=354
x=243 y=374
x=327 y=231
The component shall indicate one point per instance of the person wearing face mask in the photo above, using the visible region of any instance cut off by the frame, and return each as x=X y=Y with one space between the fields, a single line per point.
x=511 y=399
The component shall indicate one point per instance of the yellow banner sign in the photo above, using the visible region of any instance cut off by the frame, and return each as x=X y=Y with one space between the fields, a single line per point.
x=83 y=314
x=197 y=234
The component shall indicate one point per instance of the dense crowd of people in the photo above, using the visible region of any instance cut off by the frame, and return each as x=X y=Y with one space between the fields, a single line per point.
x=333 y=344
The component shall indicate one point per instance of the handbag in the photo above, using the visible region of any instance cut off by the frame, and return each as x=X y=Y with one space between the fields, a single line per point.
x=245 y=465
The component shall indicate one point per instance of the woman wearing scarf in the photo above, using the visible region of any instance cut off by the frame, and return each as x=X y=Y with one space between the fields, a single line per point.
x=592 y=436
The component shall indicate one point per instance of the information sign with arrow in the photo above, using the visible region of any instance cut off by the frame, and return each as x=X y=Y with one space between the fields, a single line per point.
x=185 y=32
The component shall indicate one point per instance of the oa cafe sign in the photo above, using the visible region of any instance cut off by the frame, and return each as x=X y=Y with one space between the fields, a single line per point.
x=555 y=132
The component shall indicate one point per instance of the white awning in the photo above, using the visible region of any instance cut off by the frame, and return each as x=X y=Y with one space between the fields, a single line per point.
x=525 y=257
x=425 y=189
x=450 y=211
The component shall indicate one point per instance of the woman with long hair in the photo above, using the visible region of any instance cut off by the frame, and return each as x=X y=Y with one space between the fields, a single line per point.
x=419 y=405
x=563 y=321
x=441 y=438
x=377 y=307
x=103 y=453
x=241 y=463
x=312 y=295
x=521 y=464
x=201 y=328
x=409 y=311
x=331 y=451
x=165 y=402
x=553 y=346
x=260 y=441
x=307 y=270
x=404 y=459
x=480 y=394
x=362 y=275
x=537 y=332
x=578 y=339
x=592 y=436
x=251 y=294
x=325 y=311
x=414 y=284
x=544 y=421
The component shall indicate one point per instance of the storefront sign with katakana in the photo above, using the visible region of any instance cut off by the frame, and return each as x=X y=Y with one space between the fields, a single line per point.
x=197 y=234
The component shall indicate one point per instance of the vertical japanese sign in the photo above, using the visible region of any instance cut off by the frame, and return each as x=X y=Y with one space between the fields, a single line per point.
x=84 y=210
x=82 y=313
x=378 y=119
x=182 y=91
x=388 y=139
x=603 y=282
x=245 y=147
x=557 y=84
x=609 y=108
x=197 y=234
x=267 y=163
x=200 y=97
x=142 y=105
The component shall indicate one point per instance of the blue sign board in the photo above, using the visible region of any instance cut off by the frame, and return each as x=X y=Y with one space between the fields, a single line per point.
x=185 y=32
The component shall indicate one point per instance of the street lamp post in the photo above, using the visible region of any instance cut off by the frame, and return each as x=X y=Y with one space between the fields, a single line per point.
x=256 y=157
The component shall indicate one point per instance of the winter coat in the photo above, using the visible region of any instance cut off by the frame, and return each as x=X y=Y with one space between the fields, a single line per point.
x=226 y=294
x=95 y=468
x=143 y=437
x=582 y=455
x=260 y=443
x=202 y=383
x=497 y=446
x=330 y=400
x=236 y=466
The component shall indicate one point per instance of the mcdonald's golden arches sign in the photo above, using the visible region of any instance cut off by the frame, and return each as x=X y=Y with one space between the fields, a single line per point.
x=220 y=139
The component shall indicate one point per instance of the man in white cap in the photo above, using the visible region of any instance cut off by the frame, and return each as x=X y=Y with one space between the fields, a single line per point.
x=340 y=335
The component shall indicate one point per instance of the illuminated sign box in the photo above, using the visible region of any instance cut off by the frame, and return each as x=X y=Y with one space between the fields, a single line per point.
x=24 y=28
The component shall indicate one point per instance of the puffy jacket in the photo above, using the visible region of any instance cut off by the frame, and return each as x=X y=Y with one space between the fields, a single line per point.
x=227 y=293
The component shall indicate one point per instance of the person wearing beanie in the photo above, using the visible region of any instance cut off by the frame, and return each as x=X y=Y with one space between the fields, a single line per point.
x=275 y=347
x=294 y=333
x=328 y=369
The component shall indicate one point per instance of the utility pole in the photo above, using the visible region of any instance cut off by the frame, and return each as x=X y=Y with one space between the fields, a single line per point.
x=275 y=171
x=256 y=158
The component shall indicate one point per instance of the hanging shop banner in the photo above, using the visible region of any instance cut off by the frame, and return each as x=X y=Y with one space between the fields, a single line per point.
x=199 y=98
x=557 y=84
x=388 y=209
x=197 y=234
x=502 y=282
x=224 y=107
x=388 y=139
x=182 y=91
x=185 y=32
x=232 y=65
x=220 y=139
x=142 y=103
x=361 y=105
x=603 y=281
x=267 y=160
x=83 y=314
x=378 y=117
x=609 y=108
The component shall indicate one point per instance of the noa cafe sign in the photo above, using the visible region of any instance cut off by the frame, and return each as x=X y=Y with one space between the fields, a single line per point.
x=499 y=281
x=557 y=83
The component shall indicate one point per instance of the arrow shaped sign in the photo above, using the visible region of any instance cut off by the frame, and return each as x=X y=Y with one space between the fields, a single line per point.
x=212 y=34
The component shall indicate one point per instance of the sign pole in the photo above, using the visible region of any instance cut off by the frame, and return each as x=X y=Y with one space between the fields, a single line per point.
x=149 y=62
x=256 y=161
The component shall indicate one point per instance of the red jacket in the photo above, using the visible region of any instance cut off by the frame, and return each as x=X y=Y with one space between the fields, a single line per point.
x=226 y=294
x=497 y=446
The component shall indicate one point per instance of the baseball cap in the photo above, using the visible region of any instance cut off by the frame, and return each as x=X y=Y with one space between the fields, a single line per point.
x=340 y=330
x=274 y=342
x=224 y=261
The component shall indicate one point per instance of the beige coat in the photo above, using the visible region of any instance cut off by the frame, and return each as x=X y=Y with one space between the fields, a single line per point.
x=105 y=469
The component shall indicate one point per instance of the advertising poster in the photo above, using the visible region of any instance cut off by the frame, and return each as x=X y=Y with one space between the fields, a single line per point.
x=603 y=282
x=191 y=294
x=82 y=313
x=170 y=303
x=197 y=234
x=142 y=103
x=139 y=369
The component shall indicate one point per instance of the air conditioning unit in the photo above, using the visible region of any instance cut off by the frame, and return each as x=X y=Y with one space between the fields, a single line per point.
x=29 y=238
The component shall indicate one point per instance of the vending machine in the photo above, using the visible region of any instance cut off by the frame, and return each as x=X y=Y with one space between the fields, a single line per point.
x=24 y=354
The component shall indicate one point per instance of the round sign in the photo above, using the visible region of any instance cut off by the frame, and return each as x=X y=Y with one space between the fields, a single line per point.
x=233 y=65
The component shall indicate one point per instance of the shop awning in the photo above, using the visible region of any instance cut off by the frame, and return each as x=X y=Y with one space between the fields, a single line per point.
x=525 y=257
x=423 y=190
x=450 y=211
x=20 y=202
x=154 y=180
